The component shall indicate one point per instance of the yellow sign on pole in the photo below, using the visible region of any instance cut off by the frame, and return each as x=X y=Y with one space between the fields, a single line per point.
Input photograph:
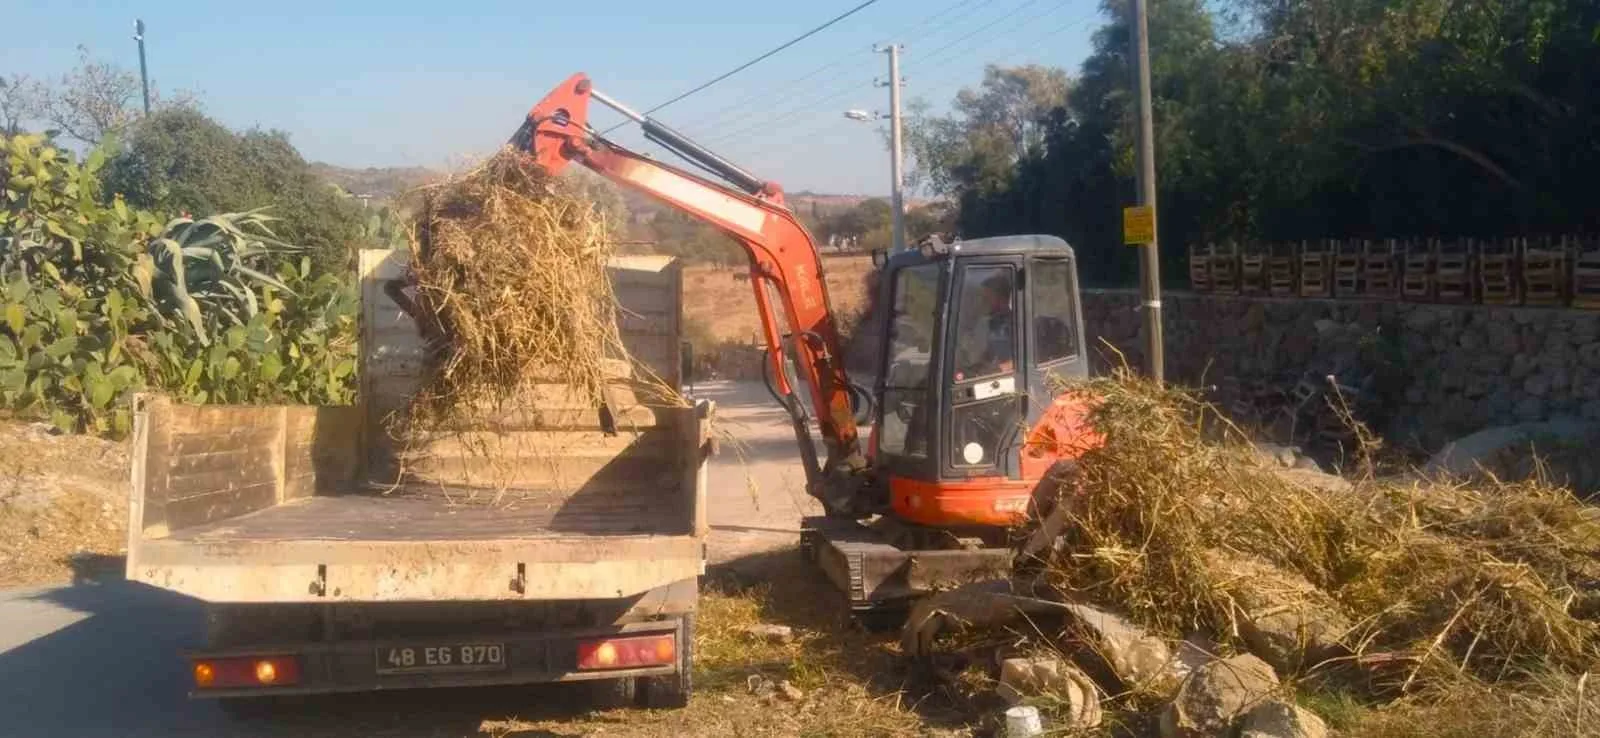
x=1138 y=225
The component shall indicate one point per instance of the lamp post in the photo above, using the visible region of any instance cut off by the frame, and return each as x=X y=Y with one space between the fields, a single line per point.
x=144 y=73
x=897 y=185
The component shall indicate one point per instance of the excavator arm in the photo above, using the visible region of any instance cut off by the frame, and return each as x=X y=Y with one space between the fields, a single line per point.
x=783 y=260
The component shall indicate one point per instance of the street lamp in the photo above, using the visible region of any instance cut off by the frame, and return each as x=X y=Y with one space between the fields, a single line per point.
x=897 y=194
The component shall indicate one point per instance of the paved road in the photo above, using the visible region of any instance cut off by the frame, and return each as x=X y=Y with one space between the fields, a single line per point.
x=102 y=659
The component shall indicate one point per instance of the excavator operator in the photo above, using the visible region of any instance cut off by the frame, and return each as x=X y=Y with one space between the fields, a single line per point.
x=1000 y=348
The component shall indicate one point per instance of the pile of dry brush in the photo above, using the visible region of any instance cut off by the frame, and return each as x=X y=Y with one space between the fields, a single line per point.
x=509 y=267
x=1175 y=521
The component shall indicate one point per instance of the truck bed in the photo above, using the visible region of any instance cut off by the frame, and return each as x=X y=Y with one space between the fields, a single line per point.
x=535 y=500
x=411 y=514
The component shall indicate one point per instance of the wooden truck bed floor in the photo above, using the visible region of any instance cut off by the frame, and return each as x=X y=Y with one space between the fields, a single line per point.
x=444 y=515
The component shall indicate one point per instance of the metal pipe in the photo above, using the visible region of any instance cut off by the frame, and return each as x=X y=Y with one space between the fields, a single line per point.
x=626 y=111
x=682 y=146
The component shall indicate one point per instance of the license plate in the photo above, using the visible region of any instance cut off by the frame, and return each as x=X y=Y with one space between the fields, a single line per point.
x=445 y=657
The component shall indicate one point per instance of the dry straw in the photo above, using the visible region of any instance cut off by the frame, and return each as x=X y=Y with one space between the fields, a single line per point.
x=512 y=271
x=509 y=265
x=1439 y=579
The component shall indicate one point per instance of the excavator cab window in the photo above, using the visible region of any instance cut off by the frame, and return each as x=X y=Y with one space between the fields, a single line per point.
x=913 y=327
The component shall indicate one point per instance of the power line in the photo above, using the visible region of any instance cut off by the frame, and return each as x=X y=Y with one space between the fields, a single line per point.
x=790 y=115
x=759 y=59
x=789 y=112
x=1016 y=49
x=991 y=24
x=747 y=109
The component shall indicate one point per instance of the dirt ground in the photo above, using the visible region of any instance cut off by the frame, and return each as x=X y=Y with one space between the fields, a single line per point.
x=62 y=498
x=719 y=301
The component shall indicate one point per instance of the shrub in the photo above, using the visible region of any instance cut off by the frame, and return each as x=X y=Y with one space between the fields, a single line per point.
x=101 y=300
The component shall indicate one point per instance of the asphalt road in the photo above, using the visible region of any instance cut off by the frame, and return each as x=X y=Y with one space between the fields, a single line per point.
x=103 y=658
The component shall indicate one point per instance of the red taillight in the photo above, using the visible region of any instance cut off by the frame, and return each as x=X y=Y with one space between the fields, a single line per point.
x=627 y=653
x=246 y=671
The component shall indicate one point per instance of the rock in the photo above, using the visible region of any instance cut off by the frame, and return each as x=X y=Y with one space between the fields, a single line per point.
x=1285 y=619
x=1522 y=365
x=1306 y=463
x=1324 y=326
x=1255 y=317
x=1502 y=339
x=1589 y=355
x=1560 y=379
x=1530 y=408
x=1422 y=318
x=1591 y=410
x=1537 y=385
x=1488 y=448
x=1021 y=678
x=979 y=604
x=1585 y=329
x=1469 y=341
x=788 y=691
x=760 y=686
x=1272 y=454
x=1138 y=659
x=768 y=633
x=1525 y=316
x=1278 y=719
x=1216 y=695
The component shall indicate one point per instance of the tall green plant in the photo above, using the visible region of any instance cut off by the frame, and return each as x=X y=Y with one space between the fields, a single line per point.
x=100 y=300
x=208 y=271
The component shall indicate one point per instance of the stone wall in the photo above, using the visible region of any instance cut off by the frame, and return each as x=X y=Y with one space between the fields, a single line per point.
x=1430 y=373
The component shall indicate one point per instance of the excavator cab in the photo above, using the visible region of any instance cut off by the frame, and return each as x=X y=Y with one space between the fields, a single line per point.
x=982 y=340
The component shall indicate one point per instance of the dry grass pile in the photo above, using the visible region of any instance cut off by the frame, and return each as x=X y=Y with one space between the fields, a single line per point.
x=1441 y=581
x=510 y=263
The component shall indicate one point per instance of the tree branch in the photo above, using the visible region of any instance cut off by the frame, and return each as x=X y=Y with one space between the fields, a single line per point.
x=1423 y=138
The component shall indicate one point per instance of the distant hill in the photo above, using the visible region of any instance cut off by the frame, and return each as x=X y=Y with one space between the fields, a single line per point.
x=380 y=183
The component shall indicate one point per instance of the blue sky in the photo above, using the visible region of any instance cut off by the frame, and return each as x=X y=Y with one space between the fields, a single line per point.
x=362 y=83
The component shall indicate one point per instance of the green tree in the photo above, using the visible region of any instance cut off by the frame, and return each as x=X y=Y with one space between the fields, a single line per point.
x=1320 y=118
x=990 y=129
x=181 y=161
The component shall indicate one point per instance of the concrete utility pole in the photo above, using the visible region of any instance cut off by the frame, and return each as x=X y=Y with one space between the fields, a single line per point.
x=897 y=184
x=144 y=74
x=1150 y=252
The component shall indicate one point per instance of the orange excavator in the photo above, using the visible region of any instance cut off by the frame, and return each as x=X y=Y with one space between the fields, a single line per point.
x=970 y=408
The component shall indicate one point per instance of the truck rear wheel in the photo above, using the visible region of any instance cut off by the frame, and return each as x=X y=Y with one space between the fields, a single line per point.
x=672 y=691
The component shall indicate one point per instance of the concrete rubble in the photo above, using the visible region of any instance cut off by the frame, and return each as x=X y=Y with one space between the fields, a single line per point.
x=1217 y=695
x=1138 y=659
x=1279 y=719
x=1079 y=698
x=768 y=633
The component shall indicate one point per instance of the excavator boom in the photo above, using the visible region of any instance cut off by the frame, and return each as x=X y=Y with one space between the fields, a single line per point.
x=783 y=260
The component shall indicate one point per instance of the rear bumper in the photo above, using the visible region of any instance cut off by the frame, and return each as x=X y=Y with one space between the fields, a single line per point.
x=352 y=666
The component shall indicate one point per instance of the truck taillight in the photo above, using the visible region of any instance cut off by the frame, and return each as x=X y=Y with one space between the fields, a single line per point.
x=246 y=671
x=627 y=653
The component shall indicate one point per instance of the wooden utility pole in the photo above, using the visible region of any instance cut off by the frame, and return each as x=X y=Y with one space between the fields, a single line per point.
x=1149 y=249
